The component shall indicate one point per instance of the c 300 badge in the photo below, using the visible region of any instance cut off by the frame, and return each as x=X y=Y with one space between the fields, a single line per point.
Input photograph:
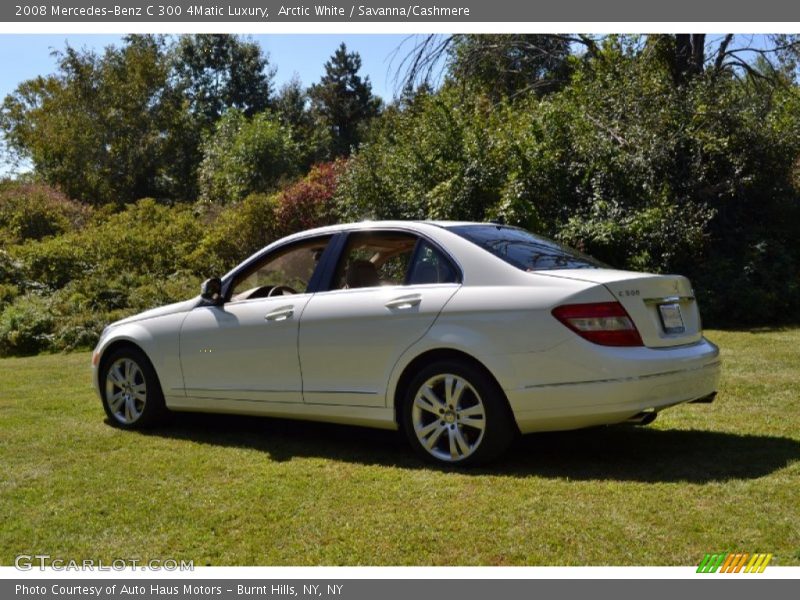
x=628 y=293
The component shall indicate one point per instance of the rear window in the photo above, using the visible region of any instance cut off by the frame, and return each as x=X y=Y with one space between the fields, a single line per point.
x=523 y=249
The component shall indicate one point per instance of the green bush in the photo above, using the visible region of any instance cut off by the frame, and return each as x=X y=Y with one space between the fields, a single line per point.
x=432 y=160
x=145 y=238
x=246 y=156
x=10 y=268
x=82 y=308
x=34 y=211
x=232 y=233
x=26 y=326
x=120 y=263
x=8 y=291
x=11 y=279
x=663 y=238
x=54 y=262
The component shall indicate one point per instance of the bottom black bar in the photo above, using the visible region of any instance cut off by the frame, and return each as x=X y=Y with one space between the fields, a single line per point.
x=733 y=587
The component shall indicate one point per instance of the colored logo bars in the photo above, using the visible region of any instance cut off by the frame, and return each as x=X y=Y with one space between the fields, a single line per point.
x=734 y=563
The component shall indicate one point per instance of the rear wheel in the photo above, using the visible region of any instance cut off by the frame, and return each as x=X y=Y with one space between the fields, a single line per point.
x=455 y=414
x=131 y=392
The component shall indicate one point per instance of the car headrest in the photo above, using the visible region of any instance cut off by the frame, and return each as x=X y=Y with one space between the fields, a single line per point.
x=361 y=273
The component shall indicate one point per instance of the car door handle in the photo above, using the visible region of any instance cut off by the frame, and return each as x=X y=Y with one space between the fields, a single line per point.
x=404 y=302
x=280 y=314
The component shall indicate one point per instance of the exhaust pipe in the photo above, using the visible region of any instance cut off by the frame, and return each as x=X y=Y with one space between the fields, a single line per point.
x=643 y=418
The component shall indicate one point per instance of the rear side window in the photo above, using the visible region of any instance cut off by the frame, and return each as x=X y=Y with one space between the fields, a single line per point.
x=525 y=250
x=431 y=266
x=388 y=258
x=375 y=258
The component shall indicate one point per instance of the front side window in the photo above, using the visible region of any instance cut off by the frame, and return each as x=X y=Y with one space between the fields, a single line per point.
x=283 y=272
x=525 y=250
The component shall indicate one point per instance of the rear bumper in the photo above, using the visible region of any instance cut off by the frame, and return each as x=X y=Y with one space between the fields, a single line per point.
x=562 y=406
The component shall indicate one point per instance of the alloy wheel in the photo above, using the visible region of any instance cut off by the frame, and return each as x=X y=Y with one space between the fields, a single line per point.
x=449 y=417
x=126 y=390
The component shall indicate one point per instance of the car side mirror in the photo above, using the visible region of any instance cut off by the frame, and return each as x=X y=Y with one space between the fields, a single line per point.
x=211 y=290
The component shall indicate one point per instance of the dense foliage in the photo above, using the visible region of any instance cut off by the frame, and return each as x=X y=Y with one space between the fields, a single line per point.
x=107 y=128
x=700 y=179
x=639 y=151
x=57 y=292
x=152 y=118
x=245 y=156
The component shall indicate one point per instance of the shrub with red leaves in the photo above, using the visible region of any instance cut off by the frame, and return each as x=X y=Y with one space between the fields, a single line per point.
x=309 y=202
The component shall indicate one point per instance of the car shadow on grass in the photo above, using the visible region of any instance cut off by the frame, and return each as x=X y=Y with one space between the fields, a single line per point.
x=619 y=453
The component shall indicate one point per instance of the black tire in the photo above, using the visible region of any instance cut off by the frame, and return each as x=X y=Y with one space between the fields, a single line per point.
x=132 y=396
x=481 y=443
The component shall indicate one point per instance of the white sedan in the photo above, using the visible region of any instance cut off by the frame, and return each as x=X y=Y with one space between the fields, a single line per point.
x=460 y=334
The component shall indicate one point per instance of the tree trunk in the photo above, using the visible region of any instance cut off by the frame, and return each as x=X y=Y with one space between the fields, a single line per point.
x=688 y=58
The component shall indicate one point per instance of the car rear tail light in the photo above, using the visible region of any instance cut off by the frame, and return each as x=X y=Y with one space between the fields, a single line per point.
x=604 y=323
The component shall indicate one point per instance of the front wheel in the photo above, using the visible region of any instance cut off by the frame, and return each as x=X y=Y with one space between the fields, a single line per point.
x=131 y=392
x=456 y=414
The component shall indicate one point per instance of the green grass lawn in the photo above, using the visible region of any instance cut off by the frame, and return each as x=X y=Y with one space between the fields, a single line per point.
x=244 y=491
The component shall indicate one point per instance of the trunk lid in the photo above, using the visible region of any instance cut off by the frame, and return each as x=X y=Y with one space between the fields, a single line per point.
x=662 y=307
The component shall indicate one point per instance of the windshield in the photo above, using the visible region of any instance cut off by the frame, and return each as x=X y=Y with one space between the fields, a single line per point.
x=523 y=249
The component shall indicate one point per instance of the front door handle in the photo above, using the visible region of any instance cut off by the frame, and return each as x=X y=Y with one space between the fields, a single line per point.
x=404 y=302
x=280 y=314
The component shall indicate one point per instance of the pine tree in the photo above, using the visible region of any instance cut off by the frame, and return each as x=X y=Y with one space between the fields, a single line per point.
x=343 y=101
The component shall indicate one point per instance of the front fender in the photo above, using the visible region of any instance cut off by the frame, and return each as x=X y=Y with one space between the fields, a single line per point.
x=158 y=338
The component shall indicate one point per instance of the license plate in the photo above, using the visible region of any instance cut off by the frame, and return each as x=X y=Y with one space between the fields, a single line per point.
x=671 y=318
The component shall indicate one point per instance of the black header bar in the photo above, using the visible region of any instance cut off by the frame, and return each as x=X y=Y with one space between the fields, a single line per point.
x=420 y=11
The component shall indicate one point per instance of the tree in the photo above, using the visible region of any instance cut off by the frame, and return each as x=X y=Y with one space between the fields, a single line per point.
x=501 y=65
x=788 y=55
x=106 y=128
x=683 y=54
x=436 y=158
x=292 y=108
x=343 y=100
x=245 y=156
x=128 y=123
x=543 y=57
x=220 y=71
x=653 y=156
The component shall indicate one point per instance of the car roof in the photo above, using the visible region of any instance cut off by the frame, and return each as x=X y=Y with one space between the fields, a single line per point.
x=484 y=268
x=421 y=225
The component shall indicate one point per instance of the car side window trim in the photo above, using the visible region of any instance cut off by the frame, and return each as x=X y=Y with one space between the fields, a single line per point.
x=413 y=260
x=322 y=280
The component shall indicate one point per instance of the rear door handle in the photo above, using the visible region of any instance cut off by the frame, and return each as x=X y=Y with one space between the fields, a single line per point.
x=404 y=302
x=280 y=314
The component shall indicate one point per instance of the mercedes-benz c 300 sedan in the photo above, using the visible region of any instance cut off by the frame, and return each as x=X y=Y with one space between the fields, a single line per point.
x=460 y=334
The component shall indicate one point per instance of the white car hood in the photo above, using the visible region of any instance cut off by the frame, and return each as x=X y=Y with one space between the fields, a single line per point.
x=169 y=309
